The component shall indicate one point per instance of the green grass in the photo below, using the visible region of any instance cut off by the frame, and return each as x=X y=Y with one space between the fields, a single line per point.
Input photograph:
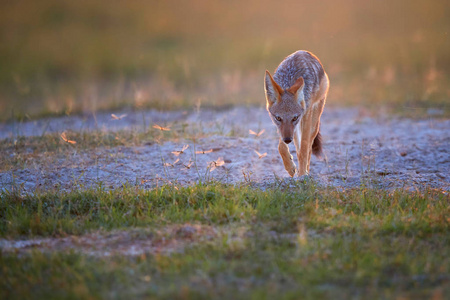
x=60 y=56
x=77 y=211
x=341 y=267
x=304 y=241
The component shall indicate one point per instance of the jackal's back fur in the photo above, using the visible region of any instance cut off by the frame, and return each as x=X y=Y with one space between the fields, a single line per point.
x=300 y=64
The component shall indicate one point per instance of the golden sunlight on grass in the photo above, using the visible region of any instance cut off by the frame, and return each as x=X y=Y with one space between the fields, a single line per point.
x=63 y=56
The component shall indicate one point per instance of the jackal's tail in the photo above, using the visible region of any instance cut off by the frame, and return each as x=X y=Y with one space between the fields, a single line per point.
x=317 y=146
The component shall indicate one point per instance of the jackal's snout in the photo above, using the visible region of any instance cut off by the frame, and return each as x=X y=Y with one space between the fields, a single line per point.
x=287 y=140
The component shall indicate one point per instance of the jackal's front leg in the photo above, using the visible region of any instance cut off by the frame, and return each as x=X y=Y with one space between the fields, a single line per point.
x=304 y=153
x=304 y=156
x=288 y=161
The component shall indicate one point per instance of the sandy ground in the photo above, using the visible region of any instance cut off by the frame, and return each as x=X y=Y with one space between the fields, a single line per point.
x=384 y=152
x=132 y=242
x=361 y=151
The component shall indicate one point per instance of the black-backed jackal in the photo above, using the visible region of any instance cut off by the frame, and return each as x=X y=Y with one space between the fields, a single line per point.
x=296 y=95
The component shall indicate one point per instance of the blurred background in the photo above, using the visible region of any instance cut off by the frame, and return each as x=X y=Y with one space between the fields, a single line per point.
x=65 y=57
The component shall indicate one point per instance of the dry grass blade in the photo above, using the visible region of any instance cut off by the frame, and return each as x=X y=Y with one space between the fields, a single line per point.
x=65 y=139
x=181 y=151
x=261 y=155
x=256 y=134
x=161 y=128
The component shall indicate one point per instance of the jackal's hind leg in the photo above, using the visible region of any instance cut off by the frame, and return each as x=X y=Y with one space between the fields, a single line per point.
x=314 y=129
x=288 y=161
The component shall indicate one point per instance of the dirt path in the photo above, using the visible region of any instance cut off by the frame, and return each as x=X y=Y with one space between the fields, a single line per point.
x=378 y=152
x=131 y=242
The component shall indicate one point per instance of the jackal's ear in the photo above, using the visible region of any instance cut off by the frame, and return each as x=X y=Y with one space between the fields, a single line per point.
x=272 y=89
x=297 y=86
x=296 y=89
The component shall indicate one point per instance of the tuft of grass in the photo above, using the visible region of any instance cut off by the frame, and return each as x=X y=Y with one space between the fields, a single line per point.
x=75 y=212
x=305 y=241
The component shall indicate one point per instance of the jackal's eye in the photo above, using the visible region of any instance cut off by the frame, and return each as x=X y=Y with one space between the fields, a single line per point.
x=278 y=119
x=295 y=119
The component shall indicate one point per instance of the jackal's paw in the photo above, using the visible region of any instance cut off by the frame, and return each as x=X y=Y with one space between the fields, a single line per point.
x=291 y=170
x=302 y=173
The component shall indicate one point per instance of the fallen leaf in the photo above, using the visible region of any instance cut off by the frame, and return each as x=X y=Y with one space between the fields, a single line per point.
x=256 y=134
x=181 y=151
x=65 y=139
x=171 y=164
x=114 y=117
x=161 y=128
x=261 y=155
x=204 y=151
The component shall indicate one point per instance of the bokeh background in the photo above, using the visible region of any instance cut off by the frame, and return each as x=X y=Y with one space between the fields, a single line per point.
x=65 y=57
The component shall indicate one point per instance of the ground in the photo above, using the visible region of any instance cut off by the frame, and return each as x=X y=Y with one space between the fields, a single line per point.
x=120 y=204
x=378 y=151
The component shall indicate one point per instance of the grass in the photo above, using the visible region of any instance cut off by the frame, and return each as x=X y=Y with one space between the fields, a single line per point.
x=61 y=57
x=67 y=57
x=309 y=241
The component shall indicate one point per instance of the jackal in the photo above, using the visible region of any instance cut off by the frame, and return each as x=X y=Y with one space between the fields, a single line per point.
x=296 y=95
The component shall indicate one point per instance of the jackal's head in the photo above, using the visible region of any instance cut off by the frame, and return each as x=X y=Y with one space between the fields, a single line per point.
x=285 y=107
